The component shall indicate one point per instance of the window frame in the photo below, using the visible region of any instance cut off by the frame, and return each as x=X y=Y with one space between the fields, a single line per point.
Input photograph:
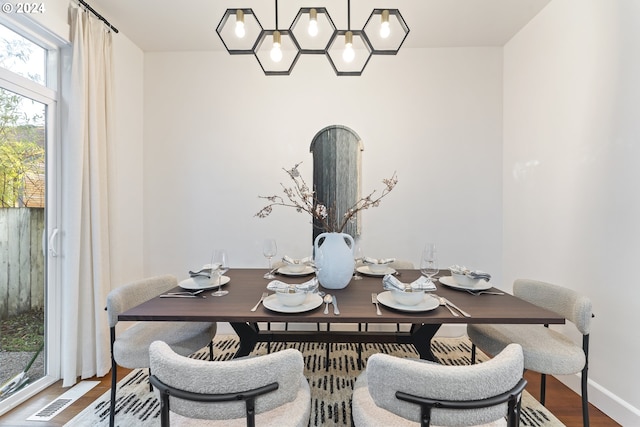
x=49 y=95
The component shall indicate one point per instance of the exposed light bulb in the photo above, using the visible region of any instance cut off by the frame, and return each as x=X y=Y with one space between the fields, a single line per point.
x=348 y=54
x=240 y=30
x=385 y=29
x=313 y=23
x=276 y=50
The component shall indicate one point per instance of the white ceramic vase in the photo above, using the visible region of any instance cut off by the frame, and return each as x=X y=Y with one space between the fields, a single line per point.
x=334 y=259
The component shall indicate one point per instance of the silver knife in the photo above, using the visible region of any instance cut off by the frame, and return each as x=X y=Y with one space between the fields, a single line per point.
x=336 y=311
x=374 y=300
x=464 y=313
x=180 y=296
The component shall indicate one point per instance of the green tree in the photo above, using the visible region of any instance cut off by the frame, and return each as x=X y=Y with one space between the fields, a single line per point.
x=21 y=136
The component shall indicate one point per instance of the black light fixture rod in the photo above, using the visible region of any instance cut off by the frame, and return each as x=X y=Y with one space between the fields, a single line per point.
x=276 y=14
x=349 y=15
x=100 y=17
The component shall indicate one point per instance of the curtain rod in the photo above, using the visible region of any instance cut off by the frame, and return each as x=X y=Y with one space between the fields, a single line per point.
x=100 y=17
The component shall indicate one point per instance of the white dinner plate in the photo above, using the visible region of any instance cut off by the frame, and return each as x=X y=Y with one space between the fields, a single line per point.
x=286 y=271
x=364 y=269
x=202 y=283
x=428 y=303
x=272 y=303
x=449 y=281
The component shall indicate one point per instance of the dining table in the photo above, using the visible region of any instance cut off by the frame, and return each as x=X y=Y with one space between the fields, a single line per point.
x=247 y=285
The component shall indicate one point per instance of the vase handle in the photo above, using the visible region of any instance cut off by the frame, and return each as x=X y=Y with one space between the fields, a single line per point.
x=352 y=242
x=317 y=239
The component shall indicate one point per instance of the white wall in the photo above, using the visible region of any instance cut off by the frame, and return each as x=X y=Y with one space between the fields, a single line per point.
x=218 y=133
x=126 y=179
x=571 y=201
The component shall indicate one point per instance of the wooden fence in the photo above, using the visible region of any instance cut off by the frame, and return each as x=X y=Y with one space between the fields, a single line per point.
x=21 y=260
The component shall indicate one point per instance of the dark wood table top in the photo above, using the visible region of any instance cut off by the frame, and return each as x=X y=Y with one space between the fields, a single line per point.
x=247 y=285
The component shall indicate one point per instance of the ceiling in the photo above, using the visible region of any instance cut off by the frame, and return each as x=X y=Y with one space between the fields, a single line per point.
x=188 y=25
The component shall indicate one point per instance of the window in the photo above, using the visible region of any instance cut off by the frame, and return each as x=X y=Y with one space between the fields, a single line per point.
x=28 y=211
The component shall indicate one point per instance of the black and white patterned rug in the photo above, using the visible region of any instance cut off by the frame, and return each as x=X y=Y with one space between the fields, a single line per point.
x=330 y=390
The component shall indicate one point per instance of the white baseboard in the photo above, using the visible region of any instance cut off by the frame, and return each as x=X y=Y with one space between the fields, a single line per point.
x=615 y=408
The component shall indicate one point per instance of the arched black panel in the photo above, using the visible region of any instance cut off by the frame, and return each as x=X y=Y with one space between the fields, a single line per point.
x=336 y=172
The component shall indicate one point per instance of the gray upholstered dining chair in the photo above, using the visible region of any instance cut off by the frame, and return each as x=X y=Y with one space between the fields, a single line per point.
x=130 y=348
x=268 y=390
x=545 y=350
x=395 y=391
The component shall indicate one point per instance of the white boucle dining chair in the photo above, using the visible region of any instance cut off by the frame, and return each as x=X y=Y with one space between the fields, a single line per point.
x=399 y=392
x=545 y=350
x=268 y=390
x=130 y=348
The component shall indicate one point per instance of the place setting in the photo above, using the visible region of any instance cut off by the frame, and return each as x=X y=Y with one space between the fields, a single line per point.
x=292 y=298
x=475 y=282
x=376 y=267
x=208 y=277
x=408 y=297
x=296 y=267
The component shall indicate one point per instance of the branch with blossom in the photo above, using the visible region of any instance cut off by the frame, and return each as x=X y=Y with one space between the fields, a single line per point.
x=300 y=197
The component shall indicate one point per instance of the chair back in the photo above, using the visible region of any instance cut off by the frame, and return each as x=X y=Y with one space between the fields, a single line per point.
x=226 y=377
x=387 y=375
x=563 y=301
x=132 y=294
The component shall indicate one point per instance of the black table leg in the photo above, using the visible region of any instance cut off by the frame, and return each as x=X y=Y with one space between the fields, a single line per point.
x=421 y=336
x=248 y=334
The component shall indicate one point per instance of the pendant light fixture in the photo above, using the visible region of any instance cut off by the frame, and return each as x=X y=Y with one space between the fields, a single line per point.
x=277 y=50
x=350 y=51
x=313 y=32
x=348 y=54
x=313 y=29
x=386 y=31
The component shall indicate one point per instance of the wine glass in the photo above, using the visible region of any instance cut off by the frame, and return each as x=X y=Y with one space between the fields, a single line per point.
x=358 y=258
x=429 y=261
x=269 y=250
x=221 y=259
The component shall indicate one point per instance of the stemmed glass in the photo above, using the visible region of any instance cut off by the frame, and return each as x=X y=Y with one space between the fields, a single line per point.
x=358 y=258
x=269 y=250
x=221 y=259
x=429 y=261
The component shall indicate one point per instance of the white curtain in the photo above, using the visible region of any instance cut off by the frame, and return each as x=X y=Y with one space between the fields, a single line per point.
x=86 y=268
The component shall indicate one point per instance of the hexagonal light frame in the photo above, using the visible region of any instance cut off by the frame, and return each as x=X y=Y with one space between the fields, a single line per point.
x=366 y=38
x=339 y=36
x=396 y=22
x=223 y=29
x=284 y=35
x=327 y=35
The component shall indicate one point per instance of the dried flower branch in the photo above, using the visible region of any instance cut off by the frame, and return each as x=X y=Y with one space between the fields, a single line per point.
x=303 y=199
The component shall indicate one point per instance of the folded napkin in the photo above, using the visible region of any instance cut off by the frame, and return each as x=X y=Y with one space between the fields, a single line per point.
x=288 y=260
x=390 y=282
x=368 y=260
x=308 y=286
x=205 y=271
x=474 y=274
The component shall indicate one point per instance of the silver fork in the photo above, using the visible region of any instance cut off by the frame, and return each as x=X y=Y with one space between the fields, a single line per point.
x=264 y=295
x=476 y=293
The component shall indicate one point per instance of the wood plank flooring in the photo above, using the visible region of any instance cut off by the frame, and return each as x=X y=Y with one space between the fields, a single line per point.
x=561 y=401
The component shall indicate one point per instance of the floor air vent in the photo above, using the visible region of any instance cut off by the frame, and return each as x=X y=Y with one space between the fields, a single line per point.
x=63 y=401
